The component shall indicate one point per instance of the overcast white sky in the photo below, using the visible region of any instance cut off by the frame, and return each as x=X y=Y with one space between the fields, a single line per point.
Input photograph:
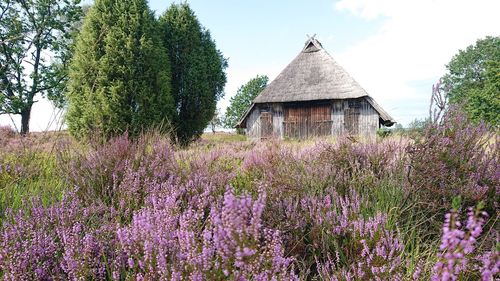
x=395 y=49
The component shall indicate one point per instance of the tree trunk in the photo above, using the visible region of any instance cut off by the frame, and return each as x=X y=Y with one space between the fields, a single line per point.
x=25 y=120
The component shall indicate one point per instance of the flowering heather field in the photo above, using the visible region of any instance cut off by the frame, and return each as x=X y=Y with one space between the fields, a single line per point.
x=396 y=209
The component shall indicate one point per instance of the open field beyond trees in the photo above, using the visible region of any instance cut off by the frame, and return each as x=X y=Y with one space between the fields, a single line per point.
x=226 y=208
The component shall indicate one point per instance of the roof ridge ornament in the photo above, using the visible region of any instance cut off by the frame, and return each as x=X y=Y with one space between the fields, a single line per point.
x=311 y=38
x=312 y=44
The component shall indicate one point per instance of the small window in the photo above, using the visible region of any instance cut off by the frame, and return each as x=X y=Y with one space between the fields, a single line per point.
x=264 y=108
x=354 y=104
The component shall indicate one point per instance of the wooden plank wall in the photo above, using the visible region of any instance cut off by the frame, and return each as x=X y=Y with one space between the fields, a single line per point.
x=253 y=124
x=307 y=121
x=266 y=125
x=255 y=128
x=368 y=120
x=278 y=118
x=337 y=117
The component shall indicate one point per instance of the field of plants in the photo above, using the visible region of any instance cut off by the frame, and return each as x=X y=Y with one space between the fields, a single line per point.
x=400 y=208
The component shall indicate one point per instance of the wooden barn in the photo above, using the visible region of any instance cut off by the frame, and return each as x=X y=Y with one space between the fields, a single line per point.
x=313 y=96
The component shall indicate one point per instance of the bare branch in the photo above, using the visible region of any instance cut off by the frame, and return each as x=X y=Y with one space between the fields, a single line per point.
x=5 y=10
x=26 y=8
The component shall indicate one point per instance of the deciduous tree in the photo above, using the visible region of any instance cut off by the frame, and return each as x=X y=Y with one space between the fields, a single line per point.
x=216 y=121
x=243 y=99
x=472 y=80
x=34 y=42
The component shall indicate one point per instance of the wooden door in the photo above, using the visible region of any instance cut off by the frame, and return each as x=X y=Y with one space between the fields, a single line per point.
x=307 y=121
x=320 y=121
x=266 y=125
x=297 y=122
x=351 y=120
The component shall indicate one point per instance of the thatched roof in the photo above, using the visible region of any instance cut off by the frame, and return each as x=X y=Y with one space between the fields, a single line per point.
x=313 y=75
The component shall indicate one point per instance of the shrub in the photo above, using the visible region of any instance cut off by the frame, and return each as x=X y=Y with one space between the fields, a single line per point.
x=455 y=157
x=383 y=132
x=142 y=209
x=457 y=256
x=417 y=127
x=167 y=242
x=65 y=241
x=6 y=132
x=119 y=172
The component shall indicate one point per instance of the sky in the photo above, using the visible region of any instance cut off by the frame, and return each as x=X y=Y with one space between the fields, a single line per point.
x=395 y=49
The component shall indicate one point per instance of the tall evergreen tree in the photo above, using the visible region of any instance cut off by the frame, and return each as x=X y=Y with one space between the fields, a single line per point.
x=198 y=76
x=120 y=73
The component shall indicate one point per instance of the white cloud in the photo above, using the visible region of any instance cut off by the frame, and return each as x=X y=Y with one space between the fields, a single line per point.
x=415 y=41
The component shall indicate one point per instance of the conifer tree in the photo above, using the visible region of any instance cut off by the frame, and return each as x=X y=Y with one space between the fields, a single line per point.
x=120 y=73
x=197 y=67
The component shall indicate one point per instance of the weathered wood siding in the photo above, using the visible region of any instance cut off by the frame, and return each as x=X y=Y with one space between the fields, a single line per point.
x=357 y=112
x=339 y=117
x=256 y=128
x=368 y=120
x=253 y=123
x=304 y=121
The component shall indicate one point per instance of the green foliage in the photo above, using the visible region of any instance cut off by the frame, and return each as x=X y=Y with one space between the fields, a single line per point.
x=28 y=173
x=243 y=99
x=473 y=80
x=484 y=104
x=416 y=128
x=120 y=73
x=383 y=132
x=30 y=31
x=216 y=121
x=198 y=76
x=57 y=95
x=456 y=203
x=398 y=129
x=218 y=138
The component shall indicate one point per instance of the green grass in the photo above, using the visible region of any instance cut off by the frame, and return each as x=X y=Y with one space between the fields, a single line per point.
x=26 y=175
x=42 y=178
x=223 y=137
